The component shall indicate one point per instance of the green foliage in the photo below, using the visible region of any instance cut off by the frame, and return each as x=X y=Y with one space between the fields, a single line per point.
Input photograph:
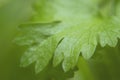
x=63 y=30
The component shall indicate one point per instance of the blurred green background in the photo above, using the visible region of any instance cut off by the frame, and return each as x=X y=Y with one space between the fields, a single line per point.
x=104 y=65
x=13 y=13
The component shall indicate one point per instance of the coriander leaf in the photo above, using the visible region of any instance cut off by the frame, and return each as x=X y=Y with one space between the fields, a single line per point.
x=70 y=42
x=42 y=54
x=33 y=33
x=79 y=32
x=83 y=39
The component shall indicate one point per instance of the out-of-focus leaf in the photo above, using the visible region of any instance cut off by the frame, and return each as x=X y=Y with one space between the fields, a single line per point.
x=84 y=72
x=35 y=33
x=64 y=10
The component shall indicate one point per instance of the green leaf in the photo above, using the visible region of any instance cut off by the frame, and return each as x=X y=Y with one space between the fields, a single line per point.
x=34 y=33
x=69 y=43
x=78 y=32
x=83 y=39
x=42 y=54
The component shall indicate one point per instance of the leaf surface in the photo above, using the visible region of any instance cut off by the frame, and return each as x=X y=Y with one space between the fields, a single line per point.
x=79 y=31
